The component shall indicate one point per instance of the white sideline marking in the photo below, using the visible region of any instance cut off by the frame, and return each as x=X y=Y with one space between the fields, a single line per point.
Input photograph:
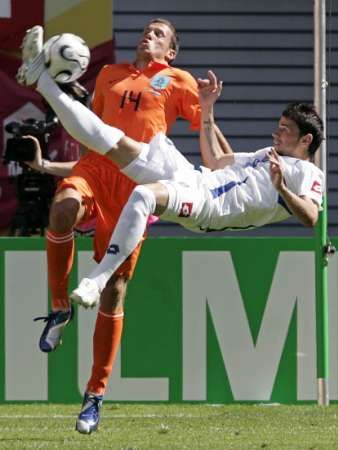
x=105 y=416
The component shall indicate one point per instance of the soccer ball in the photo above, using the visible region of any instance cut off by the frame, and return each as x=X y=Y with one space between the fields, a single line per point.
x=67 y=57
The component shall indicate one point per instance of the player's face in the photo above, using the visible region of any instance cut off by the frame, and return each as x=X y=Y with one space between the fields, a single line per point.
x=155 y=42
x=286 y=138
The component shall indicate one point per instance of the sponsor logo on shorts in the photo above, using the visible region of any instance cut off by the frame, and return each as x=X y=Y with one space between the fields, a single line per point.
x=159 y=82
x=316 y=187
x=113 y=249
x=186 y=209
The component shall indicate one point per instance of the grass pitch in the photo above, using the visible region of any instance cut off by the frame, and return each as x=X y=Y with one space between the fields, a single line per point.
x=153 y=427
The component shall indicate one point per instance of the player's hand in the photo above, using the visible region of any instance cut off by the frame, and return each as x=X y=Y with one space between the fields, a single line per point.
x=36 y=164
x=276 y=170
x=209 y=89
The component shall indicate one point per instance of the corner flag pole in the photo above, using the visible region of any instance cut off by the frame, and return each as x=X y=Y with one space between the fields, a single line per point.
x=321 y=240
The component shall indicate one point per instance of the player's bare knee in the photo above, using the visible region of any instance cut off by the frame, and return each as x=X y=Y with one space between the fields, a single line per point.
x=64 y=214
x=113 y=295
x=155 y=192
x=154 y=196
x=124 y=151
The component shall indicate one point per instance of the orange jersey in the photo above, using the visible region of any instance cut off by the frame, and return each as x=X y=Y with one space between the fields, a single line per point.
x=143 y=103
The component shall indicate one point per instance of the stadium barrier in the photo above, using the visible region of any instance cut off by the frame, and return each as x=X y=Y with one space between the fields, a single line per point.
x=216 y=320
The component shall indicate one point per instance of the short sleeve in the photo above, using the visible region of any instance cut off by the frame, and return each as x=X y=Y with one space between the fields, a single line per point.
x=307 y=180
x=190 y=108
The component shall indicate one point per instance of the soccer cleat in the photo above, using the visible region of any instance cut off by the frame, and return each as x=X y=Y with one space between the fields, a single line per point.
x=86 y=294
x=52 y=333
x=89 y=417
x=33 y=61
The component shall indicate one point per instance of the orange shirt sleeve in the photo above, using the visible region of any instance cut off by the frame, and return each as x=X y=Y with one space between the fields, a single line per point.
x=189 y=104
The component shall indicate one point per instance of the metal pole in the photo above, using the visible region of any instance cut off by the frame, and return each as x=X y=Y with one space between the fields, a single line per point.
x=321 y=241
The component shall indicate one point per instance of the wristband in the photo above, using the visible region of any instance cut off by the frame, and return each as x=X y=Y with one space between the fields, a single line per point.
x=44 y=165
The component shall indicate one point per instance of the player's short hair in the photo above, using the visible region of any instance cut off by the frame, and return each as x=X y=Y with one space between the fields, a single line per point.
x=308 y=121
x=175 y=40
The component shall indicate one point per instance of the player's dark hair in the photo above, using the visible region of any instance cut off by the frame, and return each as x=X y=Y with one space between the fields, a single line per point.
x=308 y=121
x=175 y=40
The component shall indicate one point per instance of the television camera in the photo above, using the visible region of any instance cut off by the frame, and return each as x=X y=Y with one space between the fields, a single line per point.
x=34 y=190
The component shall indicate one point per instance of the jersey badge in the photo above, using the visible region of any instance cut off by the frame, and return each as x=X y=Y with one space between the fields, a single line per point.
x=316 y=187
x=186 y=209
x=160 y=82
x=113 y=249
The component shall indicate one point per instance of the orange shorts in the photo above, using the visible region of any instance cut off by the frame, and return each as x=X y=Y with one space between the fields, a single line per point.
x=105 y=191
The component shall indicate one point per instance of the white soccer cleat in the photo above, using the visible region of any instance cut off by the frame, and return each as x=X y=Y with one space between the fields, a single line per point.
x=33 y=61
x=32 y=43
x=86 y=294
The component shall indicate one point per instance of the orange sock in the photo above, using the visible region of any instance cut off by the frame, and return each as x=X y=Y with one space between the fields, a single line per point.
x=106 y=341
x=60 y=255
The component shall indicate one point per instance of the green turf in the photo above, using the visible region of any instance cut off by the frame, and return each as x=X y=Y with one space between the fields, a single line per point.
x=235 y=427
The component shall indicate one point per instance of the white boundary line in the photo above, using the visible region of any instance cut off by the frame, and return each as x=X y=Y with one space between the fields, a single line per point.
x=105 y=416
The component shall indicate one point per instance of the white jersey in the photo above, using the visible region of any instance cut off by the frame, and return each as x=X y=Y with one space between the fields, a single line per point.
x=238 y=197
x=243 y=195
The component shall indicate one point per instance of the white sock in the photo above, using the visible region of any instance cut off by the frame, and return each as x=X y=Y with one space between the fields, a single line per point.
x=79 y=121
x=127 y=234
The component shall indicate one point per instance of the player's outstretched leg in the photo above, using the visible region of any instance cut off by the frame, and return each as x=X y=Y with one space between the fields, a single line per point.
x=78 y=120
x=127 y=234
x=33 y=62
x=81 y=123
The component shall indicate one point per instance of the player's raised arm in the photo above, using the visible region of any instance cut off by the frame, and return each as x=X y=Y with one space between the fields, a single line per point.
x=212 y=154
x=301 y=207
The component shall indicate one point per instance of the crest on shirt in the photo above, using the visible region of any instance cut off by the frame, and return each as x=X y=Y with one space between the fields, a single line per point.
x=186 y=209
x=159 y=82
x=316 y=187
x=113 y=249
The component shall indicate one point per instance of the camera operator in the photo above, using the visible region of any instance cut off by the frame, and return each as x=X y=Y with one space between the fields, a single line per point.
x=30 y=147
x=64 y=168
x=34 y=190
x=60 y=169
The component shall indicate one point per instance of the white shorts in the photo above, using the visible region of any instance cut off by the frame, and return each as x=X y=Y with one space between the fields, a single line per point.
x=158 y=160
x=190 y=202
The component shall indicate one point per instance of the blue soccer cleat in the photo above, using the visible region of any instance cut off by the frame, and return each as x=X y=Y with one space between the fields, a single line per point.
x=52 y=333
x=89 y=417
